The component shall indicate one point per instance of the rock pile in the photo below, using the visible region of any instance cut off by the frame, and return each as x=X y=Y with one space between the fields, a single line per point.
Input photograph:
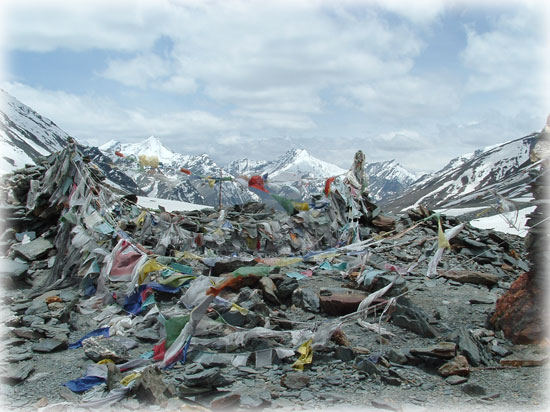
x=246 y=308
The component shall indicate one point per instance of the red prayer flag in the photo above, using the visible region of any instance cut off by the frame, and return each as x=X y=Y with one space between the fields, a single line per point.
x=119 y=154
x=258 y=183
x=327 y=185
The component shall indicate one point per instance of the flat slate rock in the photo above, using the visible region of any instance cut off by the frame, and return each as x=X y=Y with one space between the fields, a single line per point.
x=19 y=373
x=444 y=350
x=49 y=345
x=34 y=249
x=295 y=380
x=470 y=276
x=12 y=268
x=526 y=356
x=456 y=380
x=409 y=316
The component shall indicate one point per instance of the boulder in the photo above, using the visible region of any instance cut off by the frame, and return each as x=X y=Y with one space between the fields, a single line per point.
x=521 y=312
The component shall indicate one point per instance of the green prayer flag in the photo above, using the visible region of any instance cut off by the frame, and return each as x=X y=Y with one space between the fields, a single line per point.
x=174 y=327
x=253 y=270
x=285 y=203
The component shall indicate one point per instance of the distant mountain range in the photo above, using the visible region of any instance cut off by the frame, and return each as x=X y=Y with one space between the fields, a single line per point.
x=468 y=180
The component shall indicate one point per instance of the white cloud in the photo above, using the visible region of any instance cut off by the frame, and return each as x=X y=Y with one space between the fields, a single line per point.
x=149 y=71
x=511 y=57
x=99 y=119
x=42 y=26
x=176 y=84
x=410 y=98
x=274 y=119
x=302 y=68
x=138 y=71
x=273 y=59
x=420 y=11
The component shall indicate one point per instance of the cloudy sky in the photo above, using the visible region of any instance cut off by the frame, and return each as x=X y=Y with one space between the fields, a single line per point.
x=416 y=81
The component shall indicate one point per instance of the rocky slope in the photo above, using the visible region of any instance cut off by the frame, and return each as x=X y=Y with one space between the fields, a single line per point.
x=471 y=180
x=25 y=135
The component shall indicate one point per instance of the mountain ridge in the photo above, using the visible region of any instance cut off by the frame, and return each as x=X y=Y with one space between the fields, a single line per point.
x=467 y=180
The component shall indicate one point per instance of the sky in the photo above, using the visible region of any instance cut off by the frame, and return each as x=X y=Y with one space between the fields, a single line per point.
x=419 y=82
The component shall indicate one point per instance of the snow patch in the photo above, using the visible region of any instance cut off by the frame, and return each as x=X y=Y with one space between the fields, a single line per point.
x=169 y=205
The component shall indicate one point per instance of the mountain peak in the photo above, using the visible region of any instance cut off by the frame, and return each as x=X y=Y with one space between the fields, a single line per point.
x=152 y=146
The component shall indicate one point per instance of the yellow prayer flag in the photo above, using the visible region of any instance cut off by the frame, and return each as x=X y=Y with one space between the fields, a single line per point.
x=442 y=241
x=129 y=378
x=306 y=355
x=104 y=361
x=150 y=266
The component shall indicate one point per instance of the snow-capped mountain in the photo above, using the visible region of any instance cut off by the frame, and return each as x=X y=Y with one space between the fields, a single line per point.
x=150 y=147
x=387 y=179
x=25 y=135
x=472 y=179
x=293 y=165
x=297 y=174
x=168 y=181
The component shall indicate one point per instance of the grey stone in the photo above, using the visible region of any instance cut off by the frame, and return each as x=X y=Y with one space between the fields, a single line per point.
x=365 y=365
x=252 y=300
x=19 y=373
x=128 y=343
x=34 y=249
x=113 y=375
x=99 y=347
x=26 y=333
x=396 y=356
x=37 y=307
x=474 y=243
x=50 y=345
x=148 y=335
x=251 y=401
x=151 y=388
x=390 y=380
x=234 y=318
x=344 y=353
x=225 y=401
x=50 y=331
x=295 y=380
x=32 y=320
x=306 y=396
x=12 y=268
x=427 y=386
x=470 y=348
x=333 y=380
x=509 y=259
x=286 y=287
x=306 y=299
x=499 y=350
x=410 y=317
x=456 y=379
x=207 y=378
x=18 y=357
